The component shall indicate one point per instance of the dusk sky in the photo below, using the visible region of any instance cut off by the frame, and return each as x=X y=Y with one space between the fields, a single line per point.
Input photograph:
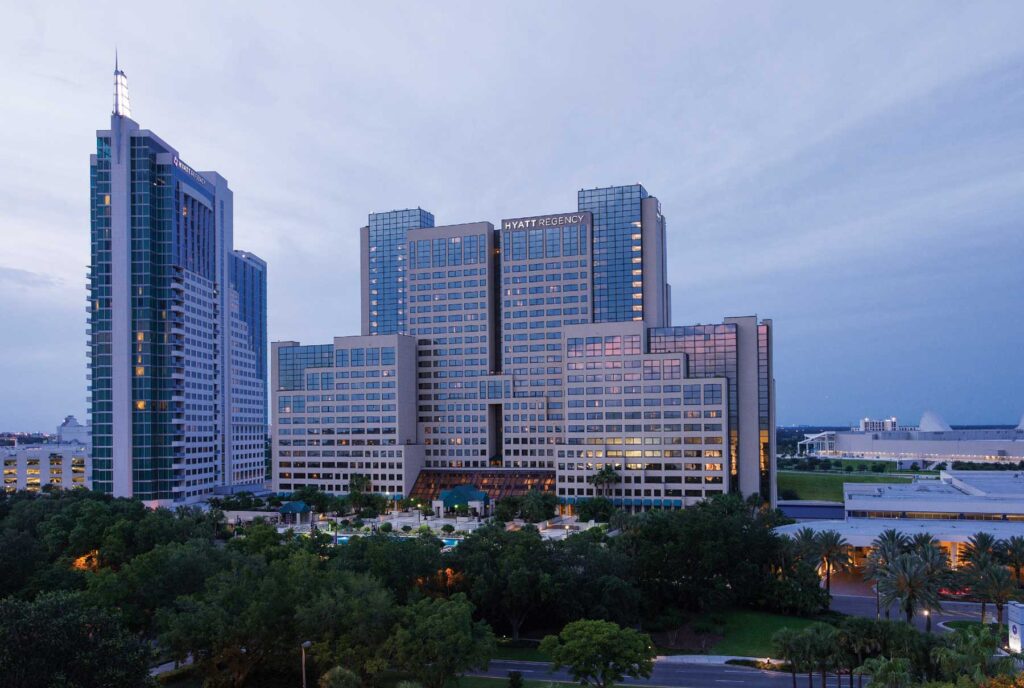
x=853 y=172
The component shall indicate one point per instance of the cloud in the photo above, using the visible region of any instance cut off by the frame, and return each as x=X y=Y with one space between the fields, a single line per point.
x=25 y=279
x=851 y=171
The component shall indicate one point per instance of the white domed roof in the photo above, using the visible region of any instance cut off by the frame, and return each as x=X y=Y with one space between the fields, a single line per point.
x=932 y=422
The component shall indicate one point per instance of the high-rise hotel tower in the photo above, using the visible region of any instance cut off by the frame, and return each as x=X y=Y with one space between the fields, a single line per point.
x=177 y=324
x=528 y=355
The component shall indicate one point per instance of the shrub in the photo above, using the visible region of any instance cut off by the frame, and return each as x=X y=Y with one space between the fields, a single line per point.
x=386 y=527
x=448 y=528
x=406 y=528
x=789 y=494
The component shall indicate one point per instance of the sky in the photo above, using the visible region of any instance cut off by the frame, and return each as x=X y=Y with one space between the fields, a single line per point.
x=855 y=172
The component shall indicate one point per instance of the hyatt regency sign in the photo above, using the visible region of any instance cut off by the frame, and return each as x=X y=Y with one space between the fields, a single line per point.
x=545 y=221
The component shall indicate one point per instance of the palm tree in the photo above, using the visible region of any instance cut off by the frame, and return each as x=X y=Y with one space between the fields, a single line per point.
x=789 y=647
x=936 y=565
x=980 y=546
x=885 y=548
x=1012 y=552
x=922 y=541
x=888 y=673
x=806 y=544
x=908 y=583
x=834 y=551
x=862 y=640
x=821 y=647
x=604 y=479
x=971 y=652
x=995 y=584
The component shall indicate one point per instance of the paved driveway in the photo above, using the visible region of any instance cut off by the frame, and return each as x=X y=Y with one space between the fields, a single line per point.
x=665 y=674
x=862 y=605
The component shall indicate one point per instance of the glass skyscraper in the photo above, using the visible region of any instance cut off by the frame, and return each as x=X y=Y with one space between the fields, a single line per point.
x=629 y=254
x=177 y=324
x=384 y=268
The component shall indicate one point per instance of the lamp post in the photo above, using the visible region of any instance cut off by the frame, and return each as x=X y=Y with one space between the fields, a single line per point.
x=305 y=646
x=927 y=621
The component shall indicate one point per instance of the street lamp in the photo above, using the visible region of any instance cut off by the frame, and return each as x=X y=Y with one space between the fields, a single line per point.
x=927 y=621
x=305 y=646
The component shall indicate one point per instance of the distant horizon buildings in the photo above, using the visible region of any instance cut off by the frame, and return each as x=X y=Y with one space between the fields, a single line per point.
x=177 y=324
x=931 y=440
x=61 y=462
x=533 y=354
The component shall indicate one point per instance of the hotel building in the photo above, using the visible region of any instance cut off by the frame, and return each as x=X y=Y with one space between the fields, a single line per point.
x=177 y=324
x=541 y=351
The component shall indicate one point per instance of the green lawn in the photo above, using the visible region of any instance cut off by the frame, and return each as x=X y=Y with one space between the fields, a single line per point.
x=749 y=634
x=827 y=486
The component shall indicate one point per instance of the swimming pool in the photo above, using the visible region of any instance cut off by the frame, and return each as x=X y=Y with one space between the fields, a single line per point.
x=448 y=542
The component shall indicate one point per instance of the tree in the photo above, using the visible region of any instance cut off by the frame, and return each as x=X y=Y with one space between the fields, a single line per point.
x=509 y=573
x=922 y=541
x=821 y=644
x=971 y=652
x=908 y=583
x=884 y=549
x=887 y=673
x=980 y=548
x=1012 y=553
x=807 y=545
x=600 y=653
x=861 y=636
x=996 y=584
x=245 y=619
x=438 y=640
x=795 y=587
x=507 y=509
x=399 y=563
x=60 y=640
x=538 y=506
x=153 y=580
x=718 y=553
x=339 y=677
x=790 y=647
x=604 y=479
x=350 y=619
x=834 y=551
x=597 y=509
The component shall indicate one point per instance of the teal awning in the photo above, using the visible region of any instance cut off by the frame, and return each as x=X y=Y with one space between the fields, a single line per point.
x=294 y=508
x=462 y=495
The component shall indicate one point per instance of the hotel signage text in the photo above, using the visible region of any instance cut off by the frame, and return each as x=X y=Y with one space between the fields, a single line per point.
x=545 y=221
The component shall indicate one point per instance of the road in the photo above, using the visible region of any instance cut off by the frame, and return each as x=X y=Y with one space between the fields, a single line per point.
x=665 y=673
x=857 y=605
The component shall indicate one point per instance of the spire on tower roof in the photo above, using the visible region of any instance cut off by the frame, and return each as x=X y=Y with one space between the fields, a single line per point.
x=122 y=106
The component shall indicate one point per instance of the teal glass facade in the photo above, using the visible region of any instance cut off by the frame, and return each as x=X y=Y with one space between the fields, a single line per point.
x=617 y=251
x=386 y=265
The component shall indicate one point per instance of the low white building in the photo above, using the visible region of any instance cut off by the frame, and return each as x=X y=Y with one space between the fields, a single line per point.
x=32 y=467
x=71 y=431
x=932 y=441
x=951 y=508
